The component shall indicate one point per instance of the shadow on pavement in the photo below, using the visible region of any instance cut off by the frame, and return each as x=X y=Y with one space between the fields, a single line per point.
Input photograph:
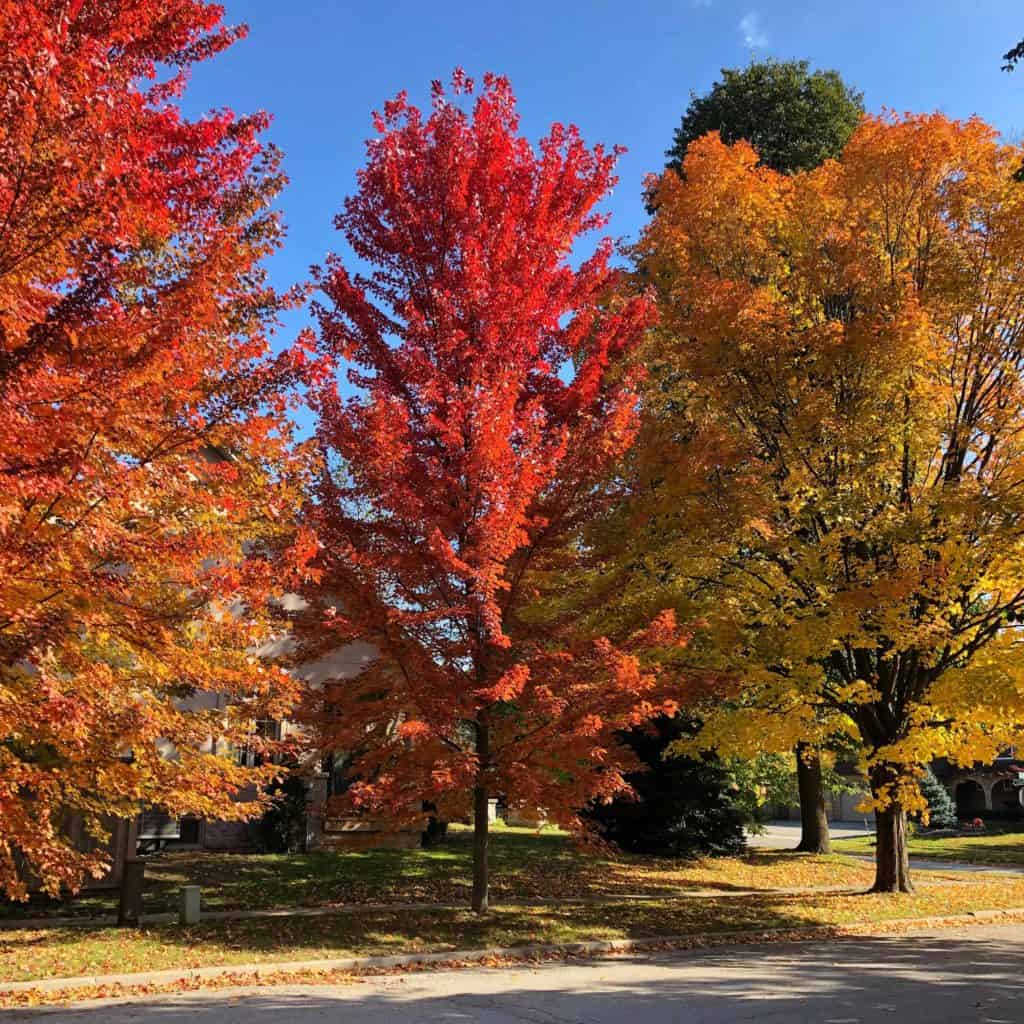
x=948 y=978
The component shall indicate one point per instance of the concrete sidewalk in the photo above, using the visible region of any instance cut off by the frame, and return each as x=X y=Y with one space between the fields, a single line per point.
x=784 y=835
x=955 y=866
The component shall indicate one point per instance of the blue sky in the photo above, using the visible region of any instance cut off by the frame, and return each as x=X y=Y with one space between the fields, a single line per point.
x=622 y=71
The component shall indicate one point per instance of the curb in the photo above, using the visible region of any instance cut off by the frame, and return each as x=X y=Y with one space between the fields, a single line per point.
x=502 y=955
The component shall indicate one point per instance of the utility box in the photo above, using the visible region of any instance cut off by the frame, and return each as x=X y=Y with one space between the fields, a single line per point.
x=189 y=910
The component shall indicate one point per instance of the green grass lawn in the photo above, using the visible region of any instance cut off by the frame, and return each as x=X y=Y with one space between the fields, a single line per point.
x=74 y=951
x=998 y=845
x=525 y=865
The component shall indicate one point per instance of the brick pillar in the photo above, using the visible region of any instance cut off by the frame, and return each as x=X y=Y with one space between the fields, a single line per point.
x=987 y=790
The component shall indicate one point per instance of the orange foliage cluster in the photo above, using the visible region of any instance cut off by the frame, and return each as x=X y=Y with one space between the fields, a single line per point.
x=141 y=427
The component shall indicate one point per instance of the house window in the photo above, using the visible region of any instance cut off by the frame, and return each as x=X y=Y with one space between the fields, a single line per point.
x=337 y=767
x=251 y=757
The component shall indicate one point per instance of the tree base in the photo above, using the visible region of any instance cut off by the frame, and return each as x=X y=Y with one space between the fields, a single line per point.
x=896 y=888
x=892 y=860
x=814 y=836
x=822 y=847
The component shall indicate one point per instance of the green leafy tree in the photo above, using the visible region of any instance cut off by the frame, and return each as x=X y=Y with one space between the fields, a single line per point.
x=794 y=117
x=1012 y=57
x=768 y=780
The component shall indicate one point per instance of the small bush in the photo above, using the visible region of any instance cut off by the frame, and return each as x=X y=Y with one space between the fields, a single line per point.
x=941 y=809
x=436 y=830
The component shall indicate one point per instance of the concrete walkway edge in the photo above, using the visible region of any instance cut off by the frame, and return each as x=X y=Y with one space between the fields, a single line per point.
x=505 y=953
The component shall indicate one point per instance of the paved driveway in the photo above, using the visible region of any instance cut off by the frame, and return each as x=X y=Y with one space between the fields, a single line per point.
x=941 y=977
x=784 y=835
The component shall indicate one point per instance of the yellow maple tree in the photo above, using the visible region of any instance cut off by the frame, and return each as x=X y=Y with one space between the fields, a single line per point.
x=832 y=461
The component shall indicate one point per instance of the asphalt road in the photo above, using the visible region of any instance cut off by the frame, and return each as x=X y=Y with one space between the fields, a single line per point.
x=941 y=977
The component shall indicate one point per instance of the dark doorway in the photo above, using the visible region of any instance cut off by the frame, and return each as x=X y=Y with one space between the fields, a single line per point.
x=970 y=799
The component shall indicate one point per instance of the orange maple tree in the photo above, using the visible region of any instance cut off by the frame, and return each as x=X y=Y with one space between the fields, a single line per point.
x=147 y=499
x=492 y=396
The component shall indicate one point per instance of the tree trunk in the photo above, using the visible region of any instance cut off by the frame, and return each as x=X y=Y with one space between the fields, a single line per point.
x=814 y=835
x=481 y=822
x=892 y=863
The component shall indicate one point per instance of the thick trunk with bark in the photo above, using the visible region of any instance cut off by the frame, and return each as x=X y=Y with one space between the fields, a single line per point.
x=481 y=822
x=892 y=862
x=814 y=834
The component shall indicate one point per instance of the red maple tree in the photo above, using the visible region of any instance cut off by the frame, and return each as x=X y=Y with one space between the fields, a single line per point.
x=492 y=395
x=146 y=485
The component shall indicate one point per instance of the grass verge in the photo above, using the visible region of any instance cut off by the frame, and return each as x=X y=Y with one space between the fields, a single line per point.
x=255 y=977
x=996 y=847
x=31 y=954
x=525 y=864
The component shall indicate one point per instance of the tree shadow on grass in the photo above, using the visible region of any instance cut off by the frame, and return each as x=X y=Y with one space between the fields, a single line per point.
x=525 y=865
x=1005 y=849
x=940 y=978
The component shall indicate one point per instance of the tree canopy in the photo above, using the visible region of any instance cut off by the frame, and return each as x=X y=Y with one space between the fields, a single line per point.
x=832 y=460
x=147 y=488
x=793 y=117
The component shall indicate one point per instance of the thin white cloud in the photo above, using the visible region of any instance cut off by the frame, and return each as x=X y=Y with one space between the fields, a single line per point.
x=701 y=3
x=752 y=30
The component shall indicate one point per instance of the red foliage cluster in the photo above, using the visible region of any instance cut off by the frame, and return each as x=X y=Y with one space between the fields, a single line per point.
x=494 y=393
